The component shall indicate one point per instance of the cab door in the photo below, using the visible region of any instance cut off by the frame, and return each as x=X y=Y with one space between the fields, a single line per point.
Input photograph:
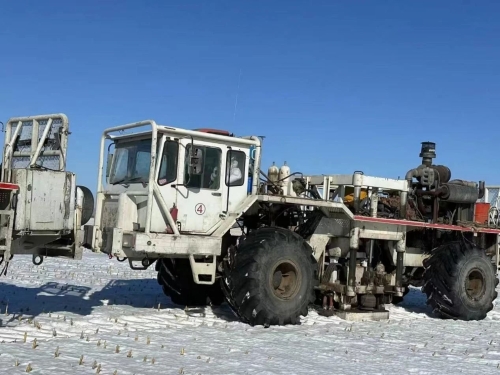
x=199 y=195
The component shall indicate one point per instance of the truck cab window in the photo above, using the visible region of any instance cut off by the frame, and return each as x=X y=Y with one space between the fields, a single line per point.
x=208 y=177
x=235 y=168
x=168 y=166
x=131 y=162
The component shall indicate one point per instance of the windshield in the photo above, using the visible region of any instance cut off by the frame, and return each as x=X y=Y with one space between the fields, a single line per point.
x=131 y=162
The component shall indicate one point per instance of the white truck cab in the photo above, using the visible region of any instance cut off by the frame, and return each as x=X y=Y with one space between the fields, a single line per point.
x=169 y=191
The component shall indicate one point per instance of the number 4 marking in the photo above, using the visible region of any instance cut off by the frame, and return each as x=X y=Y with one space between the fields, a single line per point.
x=200 y=208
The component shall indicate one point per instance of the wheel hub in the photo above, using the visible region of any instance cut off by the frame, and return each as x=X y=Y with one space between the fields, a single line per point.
x=285 y=280
x=475 y=284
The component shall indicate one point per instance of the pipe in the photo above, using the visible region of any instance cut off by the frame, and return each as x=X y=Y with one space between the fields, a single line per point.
x=357 y=181
x=399 y=269
x=357 y=193
x=370 y=254
x=412 y=173
x=374 y=203
x=400 y=249
x=431 y=193
x=41 y=142
x=404 y=202
x=421 y=206
x=8 y=150
x=353 y=252
x=152 y=179
x=435 y=210
x=100 y=190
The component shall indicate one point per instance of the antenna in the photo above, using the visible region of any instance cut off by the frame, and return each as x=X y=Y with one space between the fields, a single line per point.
x=236 y=99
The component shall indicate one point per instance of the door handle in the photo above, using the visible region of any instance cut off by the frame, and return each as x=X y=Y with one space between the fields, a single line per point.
x=216 y=194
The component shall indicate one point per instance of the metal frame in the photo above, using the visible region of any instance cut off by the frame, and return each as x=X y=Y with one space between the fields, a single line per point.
x=493 y=215
x=342 y=223
x=36 y=143
x=487 y=189
x=357 y=180
x=11 y=190
x=494 y=210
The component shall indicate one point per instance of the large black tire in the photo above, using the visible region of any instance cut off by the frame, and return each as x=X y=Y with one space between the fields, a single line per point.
x=176 y=279
x=460 y=281
x=271 y=278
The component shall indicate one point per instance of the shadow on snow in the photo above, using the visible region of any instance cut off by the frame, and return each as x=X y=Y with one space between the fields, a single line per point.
x=416 y=302
x=136 y=293
x=54 y=297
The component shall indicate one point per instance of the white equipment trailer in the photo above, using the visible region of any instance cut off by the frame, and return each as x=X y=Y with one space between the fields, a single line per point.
x=196 y=203
x=42 y=209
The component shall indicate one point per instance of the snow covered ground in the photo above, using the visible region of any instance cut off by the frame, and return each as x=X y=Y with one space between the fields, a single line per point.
x=98 y=316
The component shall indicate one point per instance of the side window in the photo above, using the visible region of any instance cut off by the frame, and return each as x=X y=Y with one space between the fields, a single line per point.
x=168 y=166
x=208 y=176
x=142 y=164
x=120 y=165
x=235 y=168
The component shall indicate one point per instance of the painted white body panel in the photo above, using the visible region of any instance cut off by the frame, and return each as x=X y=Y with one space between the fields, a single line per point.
x=46 y=200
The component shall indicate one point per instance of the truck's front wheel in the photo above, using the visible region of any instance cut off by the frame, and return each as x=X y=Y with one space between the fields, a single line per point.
x=176 y=279
x=270 y=280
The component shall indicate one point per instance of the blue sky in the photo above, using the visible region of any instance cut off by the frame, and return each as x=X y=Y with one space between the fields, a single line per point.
x=335 y=86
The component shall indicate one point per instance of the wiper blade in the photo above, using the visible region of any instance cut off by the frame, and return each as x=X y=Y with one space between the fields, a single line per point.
x=135 y=179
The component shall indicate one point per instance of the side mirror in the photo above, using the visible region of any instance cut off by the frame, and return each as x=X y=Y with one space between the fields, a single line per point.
x=195 y=162
x=108 y=165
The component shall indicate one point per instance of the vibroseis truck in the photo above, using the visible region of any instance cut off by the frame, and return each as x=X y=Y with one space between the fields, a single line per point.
x=197 y=205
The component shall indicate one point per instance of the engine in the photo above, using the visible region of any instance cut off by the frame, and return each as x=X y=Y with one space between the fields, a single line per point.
x=435 y=197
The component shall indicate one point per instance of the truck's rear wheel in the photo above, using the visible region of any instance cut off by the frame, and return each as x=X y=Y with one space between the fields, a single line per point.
x=270 y=280
x=176 y=279
x=460 y=281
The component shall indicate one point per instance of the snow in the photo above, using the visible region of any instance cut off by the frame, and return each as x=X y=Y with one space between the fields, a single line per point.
x=99 y=316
